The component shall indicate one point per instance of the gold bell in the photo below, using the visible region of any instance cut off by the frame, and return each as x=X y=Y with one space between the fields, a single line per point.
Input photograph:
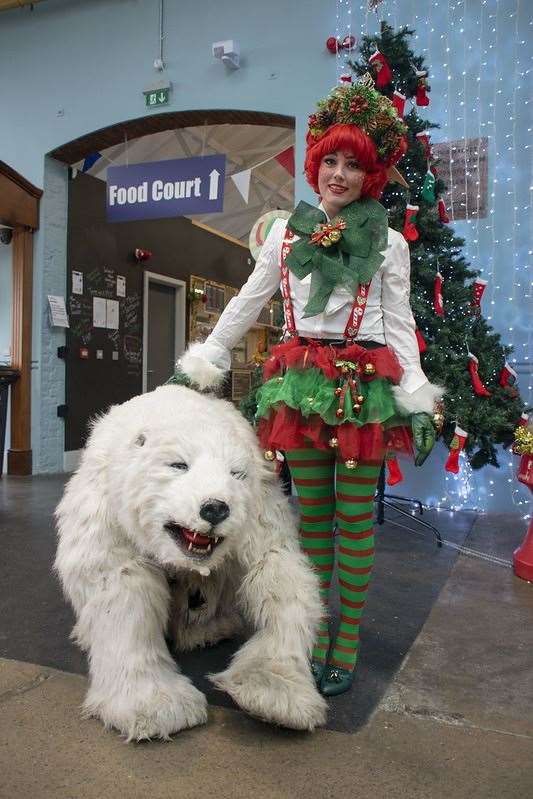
x=356 y=407
x=333 y=442
x=360 y=399
x=279 y=379
x=269 y=455
x=370 y=369
x=335 y=236
x=326 y=241
x=438 y=421
x=339 y=412
x=350 y=464
x=338 y=391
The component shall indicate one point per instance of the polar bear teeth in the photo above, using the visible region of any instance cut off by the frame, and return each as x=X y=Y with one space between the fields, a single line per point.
x=192 y=541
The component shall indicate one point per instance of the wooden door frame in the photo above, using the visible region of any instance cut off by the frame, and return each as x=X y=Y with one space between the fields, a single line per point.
x=19 y=209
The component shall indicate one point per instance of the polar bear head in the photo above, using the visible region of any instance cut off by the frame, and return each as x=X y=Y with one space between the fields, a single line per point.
x=182 y=474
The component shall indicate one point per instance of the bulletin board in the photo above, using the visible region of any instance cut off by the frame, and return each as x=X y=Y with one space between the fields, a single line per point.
x=104 y=343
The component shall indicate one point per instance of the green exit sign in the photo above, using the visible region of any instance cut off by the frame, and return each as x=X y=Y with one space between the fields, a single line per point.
x=157 y=97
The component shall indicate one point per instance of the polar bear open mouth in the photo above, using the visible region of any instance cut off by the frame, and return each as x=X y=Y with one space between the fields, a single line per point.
x=193 y=542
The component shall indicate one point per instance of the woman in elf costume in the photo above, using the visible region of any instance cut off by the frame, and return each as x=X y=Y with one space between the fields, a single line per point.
x=345 y=386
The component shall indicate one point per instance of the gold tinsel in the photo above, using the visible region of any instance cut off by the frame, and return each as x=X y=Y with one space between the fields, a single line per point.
x=523 y=441
x=383 y=120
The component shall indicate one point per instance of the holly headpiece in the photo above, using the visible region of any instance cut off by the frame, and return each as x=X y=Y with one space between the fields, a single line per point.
x=361 y=105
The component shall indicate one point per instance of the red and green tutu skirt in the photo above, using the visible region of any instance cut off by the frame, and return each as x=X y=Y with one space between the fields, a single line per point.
x=336 y=397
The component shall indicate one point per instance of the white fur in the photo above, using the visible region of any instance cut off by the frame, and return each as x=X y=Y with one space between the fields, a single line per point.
x=198 y=369
x=420 y=401
x=129 y=581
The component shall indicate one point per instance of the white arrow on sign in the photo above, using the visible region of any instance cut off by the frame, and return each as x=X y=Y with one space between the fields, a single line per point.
x=213 y=184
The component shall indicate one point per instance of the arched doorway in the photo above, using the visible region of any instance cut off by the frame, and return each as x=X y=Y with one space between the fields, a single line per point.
x=112 y=365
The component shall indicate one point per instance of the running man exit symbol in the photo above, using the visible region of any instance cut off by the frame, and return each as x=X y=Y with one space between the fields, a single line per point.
x=159 y=97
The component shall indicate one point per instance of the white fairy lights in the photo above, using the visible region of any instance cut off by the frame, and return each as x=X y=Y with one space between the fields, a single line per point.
x=480 y=81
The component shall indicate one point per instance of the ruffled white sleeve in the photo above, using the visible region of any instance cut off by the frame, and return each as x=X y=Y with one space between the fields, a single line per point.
x=415 y=393
x=205 y=362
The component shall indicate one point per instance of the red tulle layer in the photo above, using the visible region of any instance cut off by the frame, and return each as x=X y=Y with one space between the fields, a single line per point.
x=286 y=429
x=299 y=355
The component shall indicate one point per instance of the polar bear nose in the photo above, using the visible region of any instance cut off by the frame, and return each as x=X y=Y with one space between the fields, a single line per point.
x=214 y=511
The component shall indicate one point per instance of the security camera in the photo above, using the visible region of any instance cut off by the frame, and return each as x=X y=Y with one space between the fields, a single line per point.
x=6 y=234
x=228 y=51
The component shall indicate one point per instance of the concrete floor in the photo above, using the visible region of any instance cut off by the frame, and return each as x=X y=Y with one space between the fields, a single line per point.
x=452 y=715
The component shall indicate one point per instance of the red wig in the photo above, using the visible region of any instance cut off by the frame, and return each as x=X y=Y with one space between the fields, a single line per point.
x=350 y=138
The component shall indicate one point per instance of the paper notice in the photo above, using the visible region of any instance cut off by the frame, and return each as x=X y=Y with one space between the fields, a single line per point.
x=112 y=314
x=121 y=286
x=77 y=282
x=58 y=311
x=99 y=312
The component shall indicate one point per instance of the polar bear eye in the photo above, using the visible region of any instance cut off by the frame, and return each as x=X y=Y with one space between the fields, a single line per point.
x=238 y=474
x=180 y=466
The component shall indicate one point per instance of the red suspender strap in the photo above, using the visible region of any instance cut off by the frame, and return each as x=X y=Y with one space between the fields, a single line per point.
x=358 y=311
x=285 y=288
x=356 y=314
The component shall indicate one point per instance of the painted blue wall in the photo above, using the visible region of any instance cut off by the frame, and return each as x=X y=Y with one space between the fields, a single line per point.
x=71 y=68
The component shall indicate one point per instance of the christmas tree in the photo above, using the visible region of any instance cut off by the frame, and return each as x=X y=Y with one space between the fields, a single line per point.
x=460 y=350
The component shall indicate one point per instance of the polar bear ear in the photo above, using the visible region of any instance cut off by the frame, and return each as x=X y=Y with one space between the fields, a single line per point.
x=140 y=440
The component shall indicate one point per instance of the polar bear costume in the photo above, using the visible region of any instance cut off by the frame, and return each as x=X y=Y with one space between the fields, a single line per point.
x=175 y=525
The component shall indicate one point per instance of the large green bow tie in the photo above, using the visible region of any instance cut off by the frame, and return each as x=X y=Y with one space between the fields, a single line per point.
x=347 y=251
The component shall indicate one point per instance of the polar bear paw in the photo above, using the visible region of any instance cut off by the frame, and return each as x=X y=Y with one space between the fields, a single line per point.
x=146 y=709
x=281 y=692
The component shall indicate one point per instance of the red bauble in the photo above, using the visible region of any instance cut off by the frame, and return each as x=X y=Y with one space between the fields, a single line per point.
x=332 y=45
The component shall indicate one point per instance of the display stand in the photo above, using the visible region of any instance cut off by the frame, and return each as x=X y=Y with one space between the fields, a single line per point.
x=383 y=501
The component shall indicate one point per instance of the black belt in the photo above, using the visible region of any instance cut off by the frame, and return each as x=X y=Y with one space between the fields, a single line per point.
x=342 y=342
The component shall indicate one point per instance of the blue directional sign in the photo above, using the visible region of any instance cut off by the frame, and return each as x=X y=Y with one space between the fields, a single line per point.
x=183 y=186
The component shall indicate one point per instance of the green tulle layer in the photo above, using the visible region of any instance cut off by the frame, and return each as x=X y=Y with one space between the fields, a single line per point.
x=311 y=392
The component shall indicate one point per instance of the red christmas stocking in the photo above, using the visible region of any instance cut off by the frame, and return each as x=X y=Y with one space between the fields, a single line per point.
x=423 y=138
x=443 y=216
x=422 y=346
x=398 y=100
x=478 y=288
x=507 y=376
x=409 y=227
x=525 y=471
x=524 y=419
x=421 y=92
x=345 y=80
x=457 y=445
x=383 y=70
x=394 y=474
x=437 y=295
x=473 y=365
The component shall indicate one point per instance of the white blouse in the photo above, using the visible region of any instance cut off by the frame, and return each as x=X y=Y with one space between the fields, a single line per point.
x=388 y=317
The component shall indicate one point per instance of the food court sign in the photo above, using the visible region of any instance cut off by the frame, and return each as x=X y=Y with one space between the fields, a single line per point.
x=180 y=187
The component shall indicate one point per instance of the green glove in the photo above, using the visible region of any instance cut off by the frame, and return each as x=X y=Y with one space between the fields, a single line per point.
x=423 y=436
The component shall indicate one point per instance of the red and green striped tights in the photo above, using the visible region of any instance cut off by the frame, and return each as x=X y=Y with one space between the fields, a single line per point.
x=327 y=490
